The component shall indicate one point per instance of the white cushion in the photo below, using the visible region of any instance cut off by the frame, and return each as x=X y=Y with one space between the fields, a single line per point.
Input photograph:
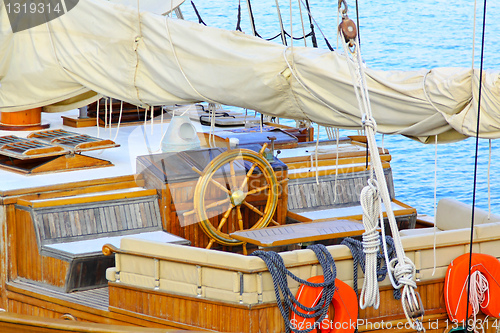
x=453 y=214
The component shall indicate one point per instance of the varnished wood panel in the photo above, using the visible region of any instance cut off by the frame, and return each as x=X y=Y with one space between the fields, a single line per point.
x=29 y=263
x=259 y=318
x=197 y=312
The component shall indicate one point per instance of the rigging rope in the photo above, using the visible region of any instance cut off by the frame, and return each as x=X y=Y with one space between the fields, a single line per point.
x=476 y=157
x=252 y=19
x=302 y=23
x=283 y=39
x=284 y=297
x=401 y=267
x=119 y=121
x=200 y=20
x=238 y=24
x=97 y=119
x=489 y=179
x=313 y=34
x=435 y=203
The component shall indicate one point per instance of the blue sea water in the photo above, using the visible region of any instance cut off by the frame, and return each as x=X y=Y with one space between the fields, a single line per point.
x=400 y=35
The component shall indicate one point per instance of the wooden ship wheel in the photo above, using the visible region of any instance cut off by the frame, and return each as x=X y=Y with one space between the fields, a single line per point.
x=221 y=173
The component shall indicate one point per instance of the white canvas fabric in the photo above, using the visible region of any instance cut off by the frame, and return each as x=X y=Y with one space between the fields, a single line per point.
x=148 y=59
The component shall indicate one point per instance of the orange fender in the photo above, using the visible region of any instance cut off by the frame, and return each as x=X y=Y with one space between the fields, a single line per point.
x=455 y=285
x=344 y=302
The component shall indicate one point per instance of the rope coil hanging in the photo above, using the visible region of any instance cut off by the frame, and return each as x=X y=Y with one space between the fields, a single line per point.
x=401 y=266
x=284 y=297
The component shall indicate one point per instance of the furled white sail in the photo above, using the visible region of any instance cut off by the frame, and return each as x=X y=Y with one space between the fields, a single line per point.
x=148 y=59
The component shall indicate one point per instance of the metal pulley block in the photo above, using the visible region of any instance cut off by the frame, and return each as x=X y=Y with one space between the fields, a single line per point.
x=348 y=29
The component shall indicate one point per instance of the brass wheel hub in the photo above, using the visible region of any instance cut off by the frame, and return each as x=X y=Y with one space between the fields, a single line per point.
x=237 y=197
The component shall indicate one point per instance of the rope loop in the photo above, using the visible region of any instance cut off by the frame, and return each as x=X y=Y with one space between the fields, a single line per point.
x=403 y=272
x=369 y=121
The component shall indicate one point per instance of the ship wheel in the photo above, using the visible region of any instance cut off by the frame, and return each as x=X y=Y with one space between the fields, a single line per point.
x=235 y=191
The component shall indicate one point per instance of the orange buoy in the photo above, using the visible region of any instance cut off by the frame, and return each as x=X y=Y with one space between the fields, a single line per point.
x=344 y=302
x=455 y=286
x=27 y=120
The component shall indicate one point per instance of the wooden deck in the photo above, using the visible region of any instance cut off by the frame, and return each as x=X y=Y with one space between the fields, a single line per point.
x=95 y=298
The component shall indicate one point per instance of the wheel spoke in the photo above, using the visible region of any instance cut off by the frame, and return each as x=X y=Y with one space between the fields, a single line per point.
x=233 y=176
x=264 y=146
x=217 y=203
x=249 y=173
x=186 y=214
x=216 y=183
x=274 y=222
x=225 y=217
x=257 y=190
x=253 y=208
x=210 y=244
x=240 y=217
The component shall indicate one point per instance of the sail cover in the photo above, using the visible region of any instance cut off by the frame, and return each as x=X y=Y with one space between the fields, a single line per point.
x=111 y=49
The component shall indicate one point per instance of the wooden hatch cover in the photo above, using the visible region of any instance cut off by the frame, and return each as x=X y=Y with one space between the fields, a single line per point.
x=51 y=151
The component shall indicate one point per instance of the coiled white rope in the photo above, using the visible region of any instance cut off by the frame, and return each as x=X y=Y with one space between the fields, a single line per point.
x=479 y=288
x=370 y=202
x=401 y=266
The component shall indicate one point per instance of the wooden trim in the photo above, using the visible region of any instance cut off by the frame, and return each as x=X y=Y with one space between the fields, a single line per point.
x=311 y=174
x=158 y=320
x=67 y=186
x=425 y=221
x=297 y=217
x=12 y=322
x=86 y=199
x=331 y=156
x=85 y=190
x=333 y=162
x=11 y=240
x=407 y=210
